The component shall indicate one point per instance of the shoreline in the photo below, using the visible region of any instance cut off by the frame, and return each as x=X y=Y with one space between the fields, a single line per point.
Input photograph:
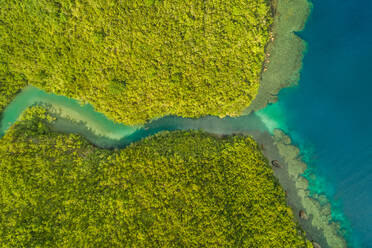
x=278 y=73
x=319 y=226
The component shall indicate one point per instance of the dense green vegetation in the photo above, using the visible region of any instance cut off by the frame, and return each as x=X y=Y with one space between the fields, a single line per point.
x=136 y=60
x=177 y=189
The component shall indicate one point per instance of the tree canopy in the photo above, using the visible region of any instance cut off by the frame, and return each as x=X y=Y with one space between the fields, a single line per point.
x=174 y=189
x=136 y=60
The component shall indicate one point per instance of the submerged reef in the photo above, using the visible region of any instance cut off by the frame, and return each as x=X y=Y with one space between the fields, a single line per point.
x=284 y=51
x=283 y=63
x=318 y=224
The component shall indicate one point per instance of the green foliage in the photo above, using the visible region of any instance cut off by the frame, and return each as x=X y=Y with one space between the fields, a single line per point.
x=174 y=189
x=136 y=60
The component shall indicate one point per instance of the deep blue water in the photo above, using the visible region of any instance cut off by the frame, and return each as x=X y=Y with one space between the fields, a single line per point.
x=329 y=115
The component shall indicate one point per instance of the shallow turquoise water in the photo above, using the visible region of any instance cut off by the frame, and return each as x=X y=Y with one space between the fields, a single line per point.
x=329 y=114
x=104 y=132
x=97 y=122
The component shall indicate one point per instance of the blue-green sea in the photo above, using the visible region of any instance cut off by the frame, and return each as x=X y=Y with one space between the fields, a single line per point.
x=328 y=115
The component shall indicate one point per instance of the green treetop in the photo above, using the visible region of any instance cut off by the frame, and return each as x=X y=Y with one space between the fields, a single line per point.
x=136 y=60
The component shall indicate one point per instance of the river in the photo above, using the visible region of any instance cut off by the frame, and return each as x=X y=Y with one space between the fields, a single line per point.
x=327 y=116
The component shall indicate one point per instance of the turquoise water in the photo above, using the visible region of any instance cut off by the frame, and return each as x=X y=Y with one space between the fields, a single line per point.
x=82 y=119
x=329 y=116
x=96 y=123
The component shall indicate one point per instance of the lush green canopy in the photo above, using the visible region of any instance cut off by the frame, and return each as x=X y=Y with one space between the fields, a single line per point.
x=178 y=189
x=136 y=60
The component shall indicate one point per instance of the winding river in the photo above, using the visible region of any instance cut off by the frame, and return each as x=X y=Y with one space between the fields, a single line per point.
x=327 y=116
x=74 y=117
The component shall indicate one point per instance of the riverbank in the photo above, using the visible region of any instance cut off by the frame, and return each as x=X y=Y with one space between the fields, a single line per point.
x=284 y=52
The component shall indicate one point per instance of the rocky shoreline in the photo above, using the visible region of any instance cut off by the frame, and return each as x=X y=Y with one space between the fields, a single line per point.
x=314 y=218
x=284 y=52
x=281 y=69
